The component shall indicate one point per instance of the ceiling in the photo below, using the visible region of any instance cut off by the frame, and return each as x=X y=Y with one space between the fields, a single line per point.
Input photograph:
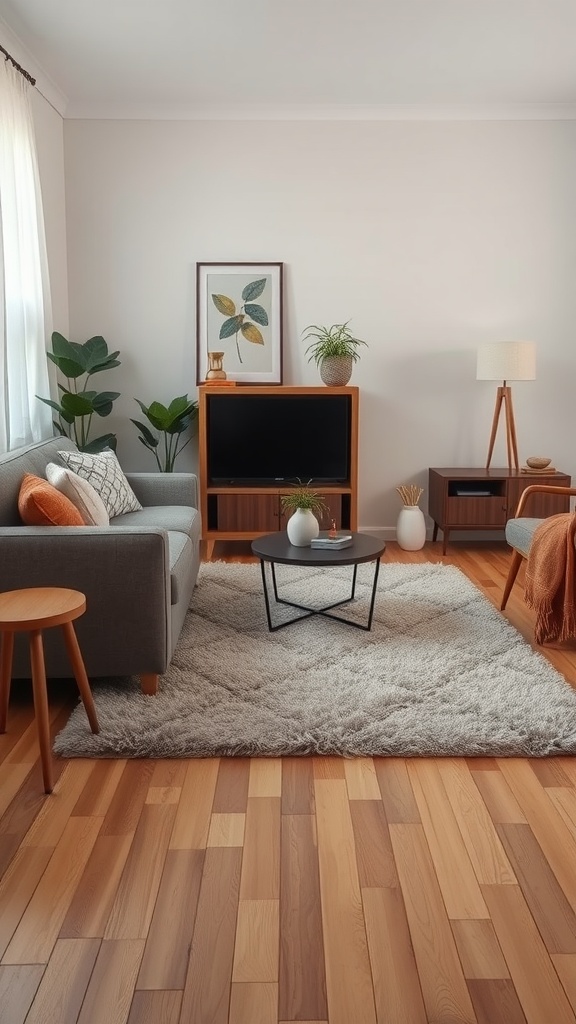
x=341 y=58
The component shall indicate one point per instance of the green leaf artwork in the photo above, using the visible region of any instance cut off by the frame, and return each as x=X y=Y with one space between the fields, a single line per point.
x=243 y=322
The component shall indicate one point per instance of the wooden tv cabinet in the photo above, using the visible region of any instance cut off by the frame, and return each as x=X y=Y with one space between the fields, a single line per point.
x=484 y=499
x=233 y=513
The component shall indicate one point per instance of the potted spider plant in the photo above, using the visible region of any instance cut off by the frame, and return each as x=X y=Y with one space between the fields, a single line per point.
x=334 y=350
x=304 y=505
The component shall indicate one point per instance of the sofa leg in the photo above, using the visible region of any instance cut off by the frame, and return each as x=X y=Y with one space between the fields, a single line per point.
x=512 y=574
x=149 y=683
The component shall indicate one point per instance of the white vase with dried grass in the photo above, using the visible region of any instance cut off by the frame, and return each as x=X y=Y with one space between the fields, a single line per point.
x=411 y=525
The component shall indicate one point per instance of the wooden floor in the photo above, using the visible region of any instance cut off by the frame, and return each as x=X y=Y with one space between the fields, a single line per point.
x=241 y=891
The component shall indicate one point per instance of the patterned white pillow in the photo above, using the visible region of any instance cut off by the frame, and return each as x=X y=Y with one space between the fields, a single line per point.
x=104 y=473
x=80 y=493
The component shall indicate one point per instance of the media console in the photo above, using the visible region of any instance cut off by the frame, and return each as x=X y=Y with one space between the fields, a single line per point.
x=239 y=490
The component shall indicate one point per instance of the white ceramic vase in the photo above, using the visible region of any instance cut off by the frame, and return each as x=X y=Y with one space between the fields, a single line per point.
x=302 y=527
x=411 y=528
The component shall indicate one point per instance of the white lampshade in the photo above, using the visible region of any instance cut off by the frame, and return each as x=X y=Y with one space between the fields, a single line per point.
x=506 y=360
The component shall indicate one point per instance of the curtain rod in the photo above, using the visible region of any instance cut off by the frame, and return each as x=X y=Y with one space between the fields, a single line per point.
x=18 y=67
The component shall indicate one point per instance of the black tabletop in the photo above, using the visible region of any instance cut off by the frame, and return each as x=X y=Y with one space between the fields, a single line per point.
x=275 y=547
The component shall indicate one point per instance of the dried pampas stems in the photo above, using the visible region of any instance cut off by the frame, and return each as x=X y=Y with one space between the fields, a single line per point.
x=410 y=493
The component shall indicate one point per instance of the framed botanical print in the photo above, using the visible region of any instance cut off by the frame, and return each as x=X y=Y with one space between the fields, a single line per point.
x=239 y=321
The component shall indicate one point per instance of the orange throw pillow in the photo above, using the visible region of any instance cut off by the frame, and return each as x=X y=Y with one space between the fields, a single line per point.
x=40 y=504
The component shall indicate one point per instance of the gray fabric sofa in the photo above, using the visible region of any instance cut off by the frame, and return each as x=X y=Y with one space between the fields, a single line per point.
x=138 y=574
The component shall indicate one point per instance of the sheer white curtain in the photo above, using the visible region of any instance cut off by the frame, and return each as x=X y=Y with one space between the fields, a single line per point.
x=25 y=323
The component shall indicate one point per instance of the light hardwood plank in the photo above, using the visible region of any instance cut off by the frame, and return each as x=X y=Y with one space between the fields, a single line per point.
x=17 y=887
x=361 y=779
x=261 y=860
x=396 y=984
x=501 y=803
x=90 y=907
x=374 y=854
x=52 y=819
x=495 y=1001
x=192 y=822
x=539 y=990
x=565 y=964
x=125 y=808
x=232 y=784
x=552 y=834
x=443 y=985
x=456 y=878
x=485 y=850
x=100 y=788
x=265 y=777
x=136 y=894
x=18 y=986
x=254 y=1003
x=396 y=790
x=348 y=976
x=165 y=959
x=226 y=830
x=328 y=767
x=111 y=986
x=155 y=1008
x=63 y=986
x=36 y=934
x=163 y=795
x=207 y=989
x=479 y=951
x=13 y=776
x=550 y=909
x=256 y=949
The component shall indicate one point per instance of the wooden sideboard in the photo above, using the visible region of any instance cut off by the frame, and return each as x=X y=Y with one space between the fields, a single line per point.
x=484 y=499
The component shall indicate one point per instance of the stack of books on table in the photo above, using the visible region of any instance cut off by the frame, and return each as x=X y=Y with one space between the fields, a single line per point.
x=334 y=540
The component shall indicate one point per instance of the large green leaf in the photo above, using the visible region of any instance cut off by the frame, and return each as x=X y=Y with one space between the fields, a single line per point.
x=53 y=405
x=231 y=326
x=100 y=443
x=179 y=405
x=149 y=438
x=96 y=352
x=77 y=405
x=71 y=368
x=103 y=402
x=254 y=289
x=257 y=313
x=108 y=365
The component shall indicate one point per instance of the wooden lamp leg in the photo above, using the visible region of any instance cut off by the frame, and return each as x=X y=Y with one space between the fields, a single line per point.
x=504 y=398
x=495 y=418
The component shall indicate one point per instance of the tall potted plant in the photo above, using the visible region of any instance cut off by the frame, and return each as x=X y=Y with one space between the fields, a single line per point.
x=78 y=405
x=334 y=350
x=171 y=422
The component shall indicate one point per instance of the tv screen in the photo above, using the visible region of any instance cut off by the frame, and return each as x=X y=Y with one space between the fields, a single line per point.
x=264 y=439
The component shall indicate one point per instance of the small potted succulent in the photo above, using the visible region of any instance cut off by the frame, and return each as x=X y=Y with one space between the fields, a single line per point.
x=334 y=350
x=304 y=505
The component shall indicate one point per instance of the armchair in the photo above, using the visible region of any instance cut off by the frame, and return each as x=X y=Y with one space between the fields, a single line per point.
x=520 y=531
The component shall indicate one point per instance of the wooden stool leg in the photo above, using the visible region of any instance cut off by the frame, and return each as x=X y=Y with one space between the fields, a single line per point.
x=41 y=706
x=5 y=676
x=77 y=663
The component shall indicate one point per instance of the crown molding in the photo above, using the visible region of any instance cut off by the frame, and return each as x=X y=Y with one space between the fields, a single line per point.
x=77 y=109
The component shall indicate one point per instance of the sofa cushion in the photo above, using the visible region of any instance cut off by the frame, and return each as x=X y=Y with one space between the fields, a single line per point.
x=41 y=504
x=13 y=465
x=181 y=518
x=104 y=473
x=80 y=493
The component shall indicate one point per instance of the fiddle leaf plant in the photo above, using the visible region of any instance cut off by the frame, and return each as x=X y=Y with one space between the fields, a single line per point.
x=239 y=321
x=170 y=422
x=78 y=405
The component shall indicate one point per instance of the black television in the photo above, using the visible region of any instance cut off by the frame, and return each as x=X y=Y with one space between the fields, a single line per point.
x=267 y=439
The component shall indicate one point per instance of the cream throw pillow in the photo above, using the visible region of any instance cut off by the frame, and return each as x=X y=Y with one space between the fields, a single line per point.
x=80 y=493
x=104 y=473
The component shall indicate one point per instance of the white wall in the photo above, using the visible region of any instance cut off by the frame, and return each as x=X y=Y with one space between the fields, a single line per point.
x=431 y=237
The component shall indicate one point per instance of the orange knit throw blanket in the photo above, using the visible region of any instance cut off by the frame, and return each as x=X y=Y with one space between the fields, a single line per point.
x=550 y=582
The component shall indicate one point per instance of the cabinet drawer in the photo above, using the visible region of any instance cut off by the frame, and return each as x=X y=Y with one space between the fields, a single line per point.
x=248 y=512
x=476 y=512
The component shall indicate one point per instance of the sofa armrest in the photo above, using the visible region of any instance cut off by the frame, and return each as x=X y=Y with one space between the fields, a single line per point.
x=165 y=488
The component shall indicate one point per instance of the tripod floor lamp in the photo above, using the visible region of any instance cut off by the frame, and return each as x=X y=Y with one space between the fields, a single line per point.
x=506 y=360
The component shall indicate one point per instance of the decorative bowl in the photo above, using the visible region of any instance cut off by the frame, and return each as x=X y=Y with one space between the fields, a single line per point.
x=535 y=462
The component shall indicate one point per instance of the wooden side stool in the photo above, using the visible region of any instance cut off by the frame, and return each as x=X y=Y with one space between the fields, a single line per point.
x=31 y=611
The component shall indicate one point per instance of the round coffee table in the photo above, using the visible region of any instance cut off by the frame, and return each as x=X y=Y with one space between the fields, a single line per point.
x=276 y=548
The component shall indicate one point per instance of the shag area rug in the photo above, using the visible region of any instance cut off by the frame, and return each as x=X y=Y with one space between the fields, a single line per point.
x=442 y=672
